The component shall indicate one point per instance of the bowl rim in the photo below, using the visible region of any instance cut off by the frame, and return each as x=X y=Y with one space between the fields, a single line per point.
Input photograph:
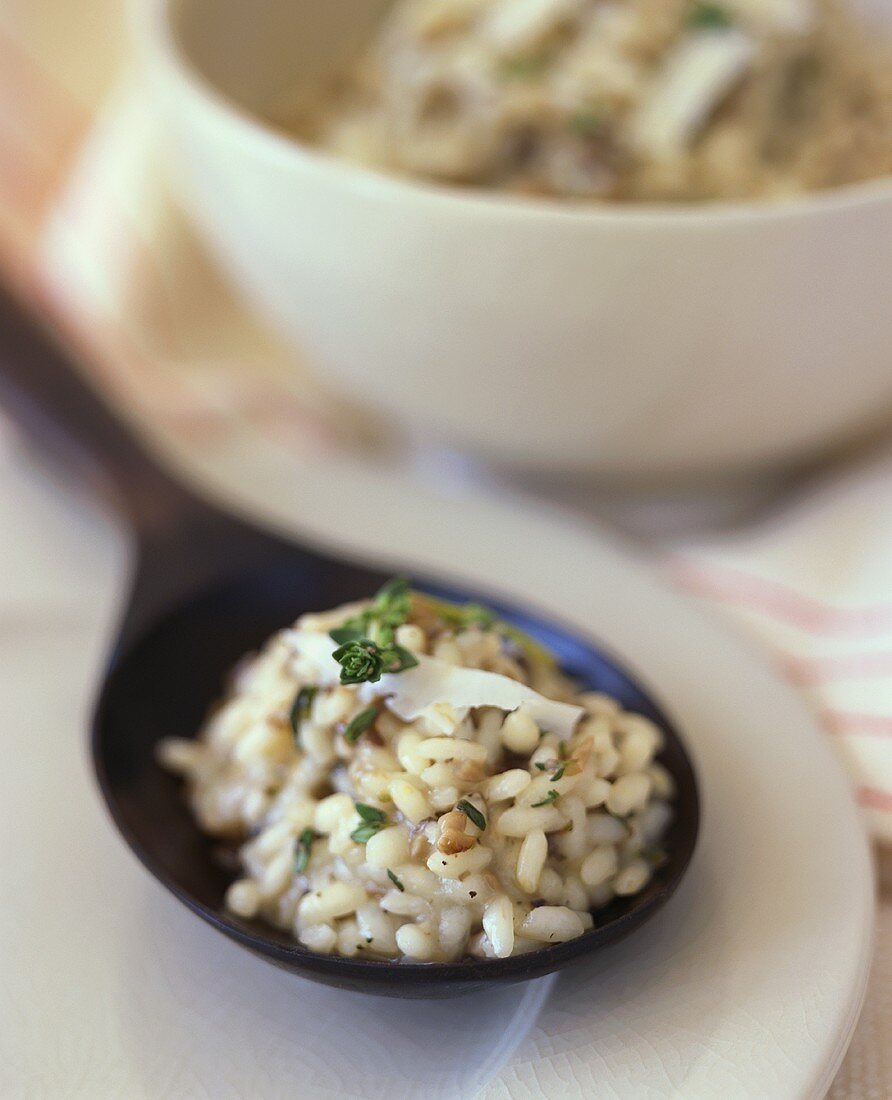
x=156 y=42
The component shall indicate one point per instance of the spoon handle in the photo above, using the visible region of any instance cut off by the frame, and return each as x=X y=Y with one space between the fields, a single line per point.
x=45 y=393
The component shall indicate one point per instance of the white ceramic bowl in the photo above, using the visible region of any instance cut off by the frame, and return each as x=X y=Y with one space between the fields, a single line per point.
x=634 y=341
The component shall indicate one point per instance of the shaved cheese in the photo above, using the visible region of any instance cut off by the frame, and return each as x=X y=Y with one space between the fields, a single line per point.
x=434 y=682
x=436 y=688
x=698 y=73
x=313 y=656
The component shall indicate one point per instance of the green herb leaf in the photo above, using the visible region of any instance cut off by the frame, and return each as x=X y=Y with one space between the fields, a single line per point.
x=389 y=609
x=473 y=813
x=366 y=648
x=586 y=124
x=396 y=882
x=366 y=831
x=357 y=726
x=302 y=849
x=392 y=603
x=709 y=17
x=361 y=662
x=550 y=798
x=542 y=767
x=562 y=750
x=370 y=814
x=300 y=708
x=557 y=775
x=364 y=661
x=398 y=659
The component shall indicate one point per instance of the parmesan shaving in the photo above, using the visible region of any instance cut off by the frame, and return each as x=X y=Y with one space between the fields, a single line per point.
x=697 y=75
x=435 y=686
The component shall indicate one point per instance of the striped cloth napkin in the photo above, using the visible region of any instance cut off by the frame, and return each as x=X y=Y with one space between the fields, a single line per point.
x=87 y=228
x=814 y=582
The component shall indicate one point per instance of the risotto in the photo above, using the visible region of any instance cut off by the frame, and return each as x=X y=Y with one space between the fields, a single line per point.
x=411 y=779
x=617 y=99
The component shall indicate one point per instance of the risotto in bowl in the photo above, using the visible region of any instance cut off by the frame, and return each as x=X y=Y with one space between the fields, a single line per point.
x=514 y=256
x=617 y=100
x=414 y=781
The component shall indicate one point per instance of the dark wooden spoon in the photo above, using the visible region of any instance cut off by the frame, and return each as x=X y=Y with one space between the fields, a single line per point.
x=207 y=588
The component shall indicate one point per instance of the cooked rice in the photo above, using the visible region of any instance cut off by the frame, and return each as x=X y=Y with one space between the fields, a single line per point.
x=636 y=100
x=569 y=824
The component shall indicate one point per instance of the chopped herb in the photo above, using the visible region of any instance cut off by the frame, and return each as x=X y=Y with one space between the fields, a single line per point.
x=370 y=814
x=542 y=732
x=366 y=649
x=392 y=604
x=388 y=610
x=586 y=124
x=365 y=832
x=302 y=849
x=300 y=708
x=542 y=767
x=398 y=659
x=557 y=775
x=472 y=893
x=549 y=799
x=369 y=939
x=361 y=661
x=523 y=68
x=562 y=750
x=357 y=726
x=396 y=882
x=473 y=813
x=709 y=17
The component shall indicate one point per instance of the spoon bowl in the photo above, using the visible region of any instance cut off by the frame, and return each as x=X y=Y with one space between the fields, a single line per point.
x=208 y=588
x=164 y=684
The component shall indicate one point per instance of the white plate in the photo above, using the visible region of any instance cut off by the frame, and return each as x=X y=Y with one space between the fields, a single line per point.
x=747 y=985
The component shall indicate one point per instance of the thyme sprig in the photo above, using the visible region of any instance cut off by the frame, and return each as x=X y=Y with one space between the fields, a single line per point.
x=373 y=821
x=549 y=799
x=357 y=726
x=366 y=646
x=303 y=849
x=300 y=708
x=473 y=813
